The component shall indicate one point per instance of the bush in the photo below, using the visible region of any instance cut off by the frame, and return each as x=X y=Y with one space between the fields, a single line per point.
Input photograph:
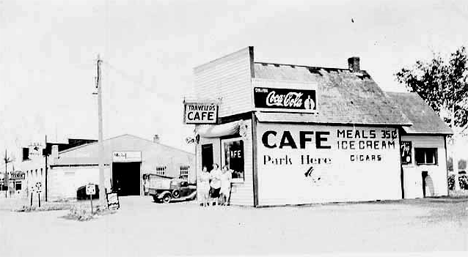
x=462 y=180
x=84 y=214
x=56 y=207
x=461 y=164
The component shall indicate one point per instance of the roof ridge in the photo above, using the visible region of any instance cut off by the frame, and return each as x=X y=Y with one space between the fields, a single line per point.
x=306 y=66
x=126 y=134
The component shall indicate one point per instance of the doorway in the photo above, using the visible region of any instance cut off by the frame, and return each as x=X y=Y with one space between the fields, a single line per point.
x=427 y=185
x=126 y=178
x=207 y=156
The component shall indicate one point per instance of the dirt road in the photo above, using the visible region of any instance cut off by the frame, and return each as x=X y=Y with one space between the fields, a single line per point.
x=144 y=228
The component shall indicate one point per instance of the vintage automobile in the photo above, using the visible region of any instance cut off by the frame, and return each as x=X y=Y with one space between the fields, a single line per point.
x=168 y=190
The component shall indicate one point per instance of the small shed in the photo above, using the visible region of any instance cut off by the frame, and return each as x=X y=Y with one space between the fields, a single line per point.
x=423 y=148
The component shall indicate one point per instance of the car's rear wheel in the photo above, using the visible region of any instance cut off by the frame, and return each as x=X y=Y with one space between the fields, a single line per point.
x=176 y=194
x=167 y=198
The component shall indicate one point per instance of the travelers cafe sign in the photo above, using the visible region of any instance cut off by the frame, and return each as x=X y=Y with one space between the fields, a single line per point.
x=303 y=100
x=200 y=113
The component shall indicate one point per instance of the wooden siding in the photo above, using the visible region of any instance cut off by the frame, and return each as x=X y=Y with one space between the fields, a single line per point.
x=413 y=173
x=242 y=193
x=65 y=181
x=228 y=80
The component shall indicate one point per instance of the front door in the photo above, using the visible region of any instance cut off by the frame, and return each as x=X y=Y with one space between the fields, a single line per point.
x=126 y=178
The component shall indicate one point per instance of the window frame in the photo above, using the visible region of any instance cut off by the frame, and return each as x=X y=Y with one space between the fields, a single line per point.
x=425 y=149
x=223 y=157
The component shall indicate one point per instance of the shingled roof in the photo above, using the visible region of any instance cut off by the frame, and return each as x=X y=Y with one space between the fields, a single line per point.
x=343 y=96
x=424 y=119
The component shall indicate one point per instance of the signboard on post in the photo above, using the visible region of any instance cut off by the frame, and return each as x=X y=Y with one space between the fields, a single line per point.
x=90 y=189
x=113 y=201
x=200 y=113
x=17 y=176
x=39 y=191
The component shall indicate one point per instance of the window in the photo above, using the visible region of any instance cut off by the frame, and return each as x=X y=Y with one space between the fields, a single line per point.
x=426 y=156
x=161 y=170
x=233 y=157
x=406 y=152
x=25 y=154
x=18 y=185
x=184 y=171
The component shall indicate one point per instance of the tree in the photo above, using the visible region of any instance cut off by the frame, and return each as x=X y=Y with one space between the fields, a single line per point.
x=442 y=83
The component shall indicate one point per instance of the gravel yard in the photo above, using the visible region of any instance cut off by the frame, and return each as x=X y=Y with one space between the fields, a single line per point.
x=142 y=227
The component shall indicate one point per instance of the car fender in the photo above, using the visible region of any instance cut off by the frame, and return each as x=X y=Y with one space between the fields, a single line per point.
x=161 y=195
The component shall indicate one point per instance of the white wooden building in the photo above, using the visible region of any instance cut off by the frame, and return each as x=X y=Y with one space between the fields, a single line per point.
x=424 y=148
x=298 y=134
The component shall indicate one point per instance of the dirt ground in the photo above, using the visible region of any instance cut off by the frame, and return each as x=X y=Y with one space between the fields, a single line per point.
x=144 y=228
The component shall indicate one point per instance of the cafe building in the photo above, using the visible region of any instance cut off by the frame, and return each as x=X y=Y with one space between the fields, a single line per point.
x=295 y=134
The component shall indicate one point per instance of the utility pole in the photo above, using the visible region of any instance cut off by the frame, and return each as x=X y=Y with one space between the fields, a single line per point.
x=6 y=180
x=45 y=168
x=102 y=189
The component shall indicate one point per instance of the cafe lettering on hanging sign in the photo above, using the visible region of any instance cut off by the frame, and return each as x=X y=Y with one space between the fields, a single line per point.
x=200 y=113
x=303 y=100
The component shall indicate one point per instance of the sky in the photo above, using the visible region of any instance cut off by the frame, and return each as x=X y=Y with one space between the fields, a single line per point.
x=48 y=52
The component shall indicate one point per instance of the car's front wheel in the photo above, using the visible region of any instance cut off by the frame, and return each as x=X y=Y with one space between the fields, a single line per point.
x=167 y=198
x=176 y=194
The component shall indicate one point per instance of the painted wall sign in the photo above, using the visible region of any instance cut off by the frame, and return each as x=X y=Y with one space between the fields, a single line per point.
x=316 y=163
x=286 y=99
x=406 y=152
x=132 y=156
x=200 y=113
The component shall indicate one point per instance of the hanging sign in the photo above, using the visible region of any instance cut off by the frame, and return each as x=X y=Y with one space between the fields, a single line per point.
x=17 y=176
x=200 y=113
x=285 y=99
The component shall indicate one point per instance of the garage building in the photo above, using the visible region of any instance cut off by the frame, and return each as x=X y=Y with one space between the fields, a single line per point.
x=127 y=159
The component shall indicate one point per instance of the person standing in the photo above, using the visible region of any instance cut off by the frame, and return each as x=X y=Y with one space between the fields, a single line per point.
x=226 y=177
x=203 y=186
x=146 y=184
x=215 y=184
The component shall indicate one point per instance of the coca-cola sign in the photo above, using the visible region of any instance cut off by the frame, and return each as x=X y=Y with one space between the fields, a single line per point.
x=282 y=98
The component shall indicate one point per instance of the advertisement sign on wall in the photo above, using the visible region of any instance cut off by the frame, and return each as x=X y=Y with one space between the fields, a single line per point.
x=406 y=152
x=200 y=113
x=313 y=163
x=133 y=156
x=285 y=99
